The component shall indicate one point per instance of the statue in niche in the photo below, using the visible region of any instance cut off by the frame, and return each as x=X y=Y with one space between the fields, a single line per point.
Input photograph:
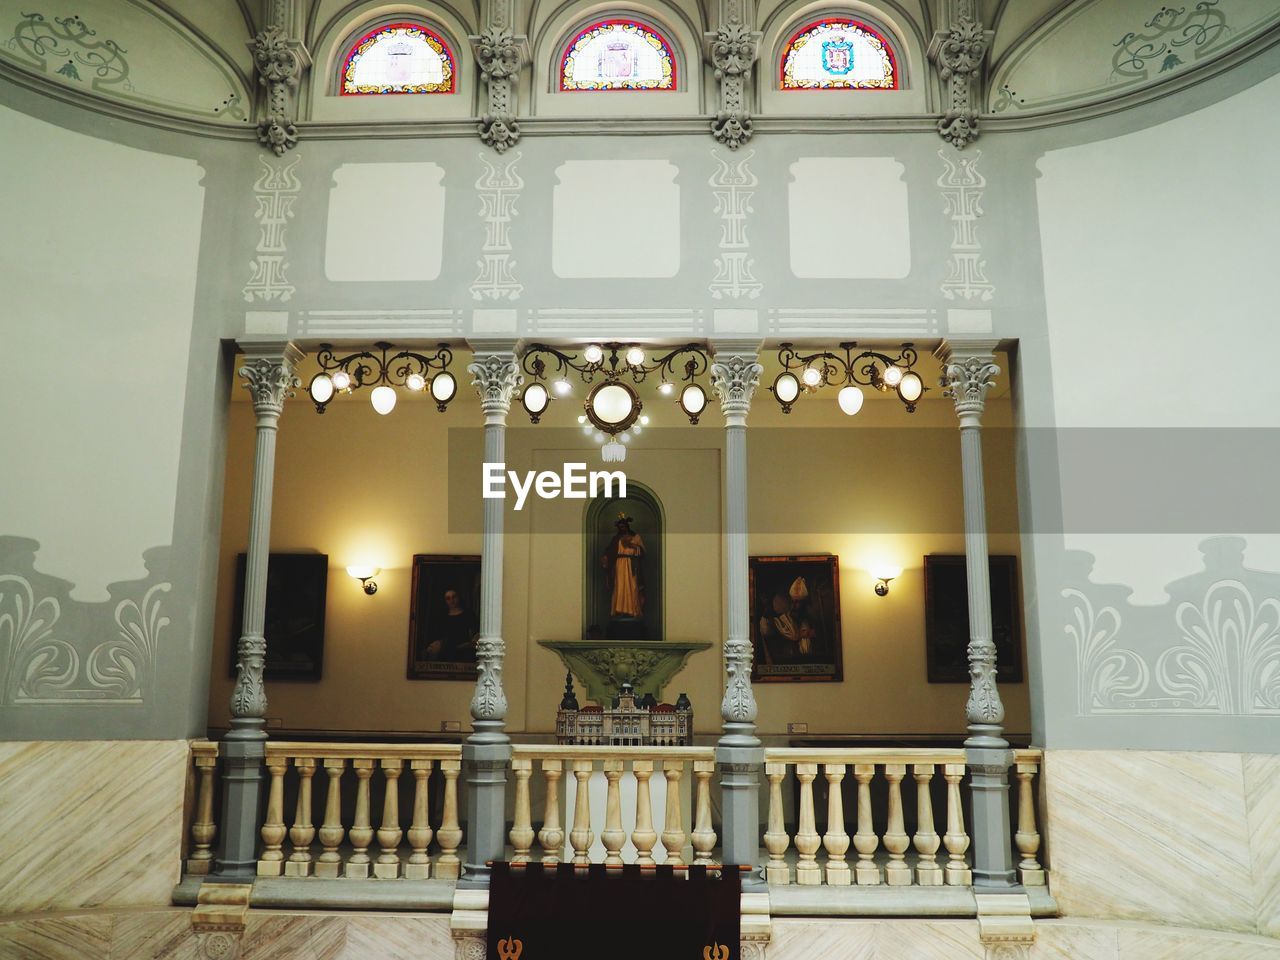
x=624 y=575
x=623 y=543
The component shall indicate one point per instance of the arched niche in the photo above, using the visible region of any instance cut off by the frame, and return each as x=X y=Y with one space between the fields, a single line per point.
x=598 y=530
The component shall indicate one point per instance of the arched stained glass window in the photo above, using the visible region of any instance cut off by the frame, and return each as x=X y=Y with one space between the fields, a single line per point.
x=618 y=55
x=838 y=54
x=399 y=58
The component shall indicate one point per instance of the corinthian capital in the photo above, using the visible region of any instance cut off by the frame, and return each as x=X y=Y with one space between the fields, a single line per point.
x=497 y=378
x=966 y=381
x=268 y=375
x=734 y=377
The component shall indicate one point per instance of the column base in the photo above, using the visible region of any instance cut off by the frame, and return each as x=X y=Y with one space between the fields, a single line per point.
x=329 y=869
x=199 y=868
x=356 y=871
x=270 y=868
x=387 y=871
x=808 y=874
x=867 y=875
x=417 y=871
x=298 y=868
x=779 y=875
x=448 y=869
x=1032 y=878
x=838 y=874
x=959 y=876
x=928 y=876
x=897 y=874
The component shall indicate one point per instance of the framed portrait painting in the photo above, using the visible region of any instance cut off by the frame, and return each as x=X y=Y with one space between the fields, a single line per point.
x=795 y=618
x=444 y=617
x=294 y=623
x=946 y=618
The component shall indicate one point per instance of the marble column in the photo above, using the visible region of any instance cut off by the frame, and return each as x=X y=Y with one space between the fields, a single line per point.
x=968 y=372
x=735 y=375
x=268 y=375
x=487 y=751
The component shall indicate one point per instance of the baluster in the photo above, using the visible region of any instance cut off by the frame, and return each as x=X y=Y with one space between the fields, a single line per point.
x=331 y=831
x=203 y=829
x=644 y=836
x=303 y=831
x=449 y=836
x=1028 y=837
x=807 y=840
x=273 y=832
x=865 y=841
x=896 y=841
x=522 y=824
x=419 y=865
x=673 y=823
x=836 y=841
x=361 y=832
x=389 y=832
x=957 y=840
x=776 y=839
x=551 y=836
x=613 y=836
x=704 y=838
x=928 y=873
x=581 y=837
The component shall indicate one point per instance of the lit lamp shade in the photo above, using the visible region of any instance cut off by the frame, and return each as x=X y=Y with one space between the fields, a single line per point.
x=593 y=353
x=416 y=382
x=786 y=388
x=321 y=389
x=341 y=380
x=910 y=387
x=613 y=407
x=443 y=387
x=812 y=376
x=850 y=399
x=635 y=357
x=693 y=400
x=383 y=399
x=893 y=375
x=535 y=399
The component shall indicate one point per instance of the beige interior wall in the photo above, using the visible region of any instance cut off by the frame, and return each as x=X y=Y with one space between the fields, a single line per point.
x=364 y=488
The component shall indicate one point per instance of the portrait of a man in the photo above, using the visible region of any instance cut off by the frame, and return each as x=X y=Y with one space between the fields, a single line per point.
x=795 y=623
x=444 y=617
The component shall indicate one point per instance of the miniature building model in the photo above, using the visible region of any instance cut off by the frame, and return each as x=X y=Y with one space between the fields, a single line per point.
x=627 y=722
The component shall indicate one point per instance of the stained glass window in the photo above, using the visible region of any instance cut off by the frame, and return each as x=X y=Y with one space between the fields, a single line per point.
x=838 y=54
x=399 y=58
x=618 y=55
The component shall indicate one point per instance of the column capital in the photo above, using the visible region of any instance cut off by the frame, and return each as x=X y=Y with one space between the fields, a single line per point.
x=968 y=372
x=735 y=374
x=497 y=378
x=268 y=374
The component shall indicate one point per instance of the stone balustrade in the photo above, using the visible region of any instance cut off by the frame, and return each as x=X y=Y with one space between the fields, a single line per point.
x=335 y=848
x=567 y=771
x=933 y=854
x=204 y=761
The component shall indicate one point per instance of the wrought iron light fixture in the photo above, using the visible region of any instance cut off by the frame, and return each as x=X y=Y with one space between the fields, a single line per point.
x=407 y=369
x=612 y=410
x=807 y=373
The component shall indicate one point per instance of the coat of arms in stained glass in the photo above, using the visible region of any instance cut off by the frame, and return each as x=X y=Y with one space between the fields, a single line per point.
x=836 y=54
x=618 y=55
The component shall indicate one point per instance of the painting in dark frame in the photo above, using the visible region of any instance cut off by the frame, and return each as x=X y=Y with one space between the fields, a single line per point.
x=444 y=617
x=946 y=618
x=796 y=633
x=297 y=584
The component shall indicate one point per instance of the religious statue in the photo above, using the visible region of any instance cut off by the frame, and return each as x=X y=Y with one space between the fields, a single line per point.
x=623 y=575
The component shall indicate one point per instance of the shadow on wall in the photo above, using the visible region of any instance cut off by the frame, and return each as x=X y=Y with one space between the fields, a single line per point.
x=1212 y=650
x=54 y=649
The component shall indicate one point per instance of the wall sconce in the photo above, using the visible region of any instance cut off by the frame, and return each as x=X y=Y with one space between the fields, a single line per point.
x=883 y=576
x=365 y=575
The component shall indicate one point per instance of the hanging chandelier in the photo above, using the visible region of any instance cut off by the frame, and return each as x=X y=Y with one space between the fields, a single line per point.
x=612 y=409
x=416 y=372
x=808 y=373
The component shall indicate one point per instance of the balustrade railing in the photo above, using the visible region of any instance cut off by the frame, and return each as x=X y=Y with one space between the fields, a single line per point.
x=891 y=846
x=204 y=759
x=569 y=772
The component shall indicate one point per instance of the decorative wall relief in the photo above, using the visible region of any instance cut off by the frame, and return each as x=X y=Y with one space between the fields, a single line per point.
x=280 y=61
x=733 y=185
x=1163 y=39
x=731 y=50
x=498 y=188
x=52 y=649
x=1219 y=655
x=275 y=192
x=959 y=54
x=500 y=53
x=962 y=187
x=69 y=42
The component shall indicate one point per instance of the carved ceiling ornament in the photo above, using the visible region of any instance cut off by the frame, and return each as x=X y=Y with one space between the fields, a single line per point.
x=500 y=54
x=280 y=61
x=731 y=51
x=959 y=54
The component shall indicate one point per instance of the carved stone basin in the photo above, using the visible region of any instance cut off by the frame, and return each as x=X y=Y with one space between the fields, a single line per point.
x=602 y=666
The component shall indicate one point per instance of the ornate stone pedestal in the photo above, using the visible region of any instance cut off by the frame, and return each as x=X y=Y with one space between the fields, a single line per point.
x=605 y=665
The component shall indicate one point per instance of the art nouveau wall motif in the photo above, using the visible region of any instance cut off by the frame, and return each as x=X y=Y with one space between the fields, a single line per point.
x=275 y=192
x=962 y=188
x=498 y=189
x=733 y=185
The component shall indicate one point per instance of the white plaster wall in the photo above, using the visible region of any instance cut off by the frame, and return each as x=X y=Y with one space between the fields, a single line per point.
x=97 y=264
x=848 y=218
x=386 y=222
x=1160 y=295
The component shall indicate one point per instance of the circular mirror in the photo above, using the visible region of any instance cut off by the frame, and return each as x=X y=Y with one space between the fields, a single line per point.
x=612 y=406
